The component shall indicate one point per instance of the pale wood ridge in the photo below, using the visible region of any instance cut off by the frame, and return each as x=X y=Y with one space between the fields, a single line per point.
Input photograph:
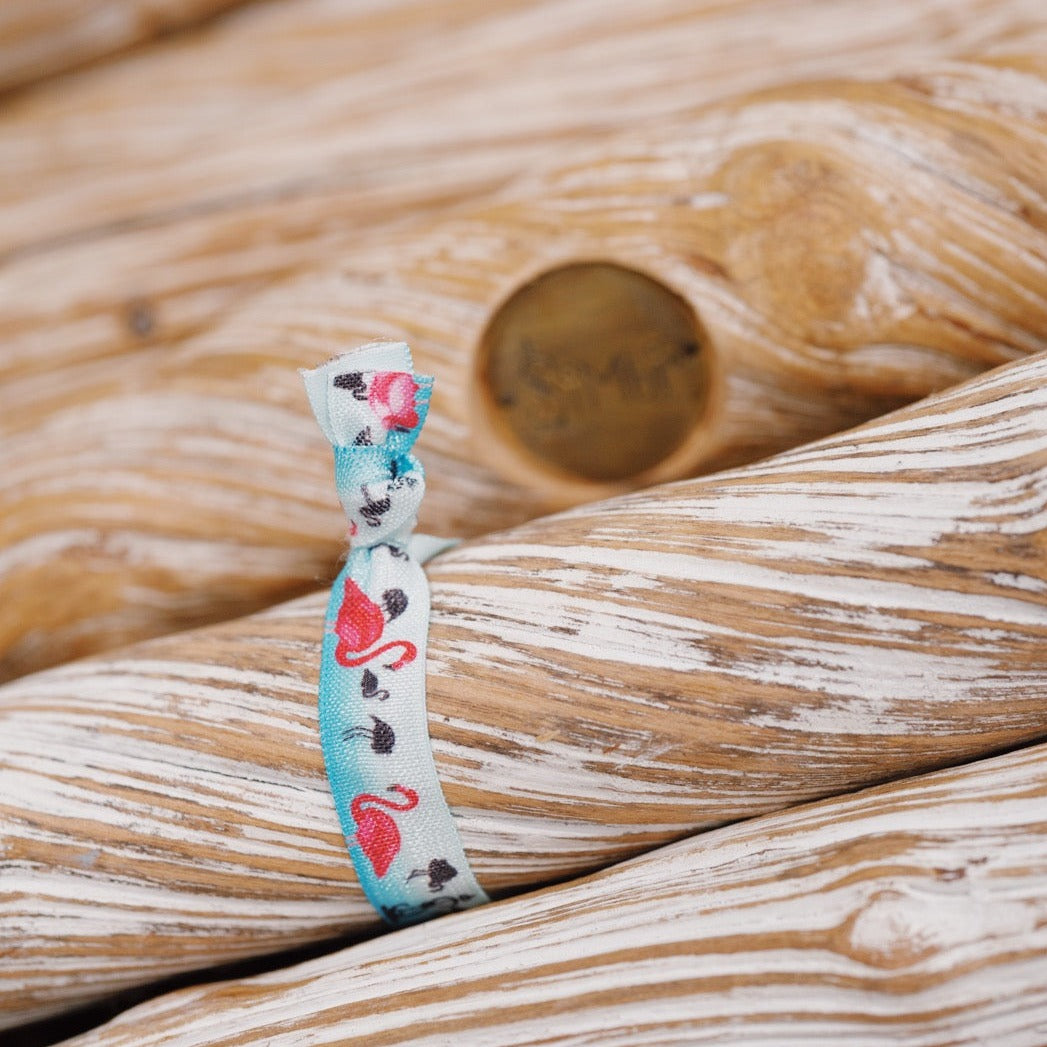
x=168 y=186
x=39 y=38
x=261 y=89
x=914 y=914
x=600 y=683
x=847 y=247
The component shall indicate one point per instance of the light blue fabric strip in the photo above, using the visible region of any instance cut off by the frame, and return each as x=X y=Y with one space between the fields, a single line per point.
x=373 y=721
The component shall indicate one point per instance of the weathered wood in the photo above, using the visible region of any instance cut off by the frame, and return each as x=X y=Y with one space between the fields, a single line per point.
x=600 y=683
x=845 y=247
x=142 y=204
x=913 y=914
x=39 y=38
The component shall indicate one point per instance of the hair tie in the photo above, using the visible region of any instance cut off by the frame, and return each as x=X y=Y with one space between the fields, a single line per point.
x=373 y=724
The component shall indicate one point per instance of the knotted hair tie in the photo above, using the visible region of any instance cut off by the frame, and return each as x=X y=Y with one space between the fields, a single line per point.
x=373 y=724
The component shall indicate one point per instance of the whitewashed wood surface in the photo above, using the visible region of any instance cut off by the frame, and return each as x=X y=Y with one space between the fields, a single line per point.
x=149 y=200
x=143 y=198
x=914 y=915
x=847 y=247
x=40 y=38
x=600 y=683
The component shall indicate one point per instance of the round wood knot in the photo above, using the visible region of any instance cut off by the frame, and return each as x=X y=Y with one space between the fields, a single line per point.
x=593 y=371
x=809 y=245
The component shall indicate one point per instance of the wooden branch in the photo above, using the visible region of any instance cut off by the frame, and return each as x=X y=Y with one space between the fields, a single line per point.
x=144 y=205
x=912 y=914
x=821 y=254
x=39 y=38
x=600 y=683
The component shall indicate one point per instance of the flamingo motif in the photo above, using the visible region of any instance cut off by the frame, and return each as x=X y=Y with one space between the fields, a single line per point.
x=376 y=833
x=360 y=624
x=391 y=397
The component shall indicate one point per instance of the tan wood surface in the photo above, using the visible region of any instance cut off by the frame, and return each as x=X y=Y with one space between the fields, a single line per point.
x=142 y=200
x=845 y=247
x=600 y=683
x=39 y=38
x=182 y=226
x=914 y=914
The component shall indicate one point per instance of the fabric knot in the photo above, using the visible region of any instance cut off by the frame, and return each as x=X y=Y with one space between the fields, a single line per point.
x=371 y=406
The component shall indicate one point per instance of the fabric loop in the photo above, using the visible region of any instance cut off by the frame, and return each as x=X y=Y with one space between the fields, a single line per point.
x=373 y=721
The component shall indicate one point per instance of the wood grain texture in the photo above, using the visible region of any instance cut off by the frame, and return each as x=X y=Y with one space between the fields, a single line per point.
x=149 y=198
x=600 y=683
x=846 y=246
x=913 y=914
x=39 y=38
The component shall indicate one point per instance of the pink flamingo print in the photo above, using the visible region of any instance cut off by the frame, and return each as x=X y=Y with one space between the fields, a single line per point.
x=376 y=832
x=360 y=624
x=391 y=397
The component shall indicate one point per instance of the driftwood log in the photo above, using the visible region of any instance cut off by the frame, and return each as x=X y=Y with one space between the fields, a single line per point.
x=142 y=203
x=913 y=914
x=798 y=260
x=601 y=682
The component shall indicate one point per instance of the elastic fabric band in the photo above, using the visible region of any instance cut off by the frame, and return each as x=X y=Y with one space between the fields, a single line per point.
x=374 y=730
